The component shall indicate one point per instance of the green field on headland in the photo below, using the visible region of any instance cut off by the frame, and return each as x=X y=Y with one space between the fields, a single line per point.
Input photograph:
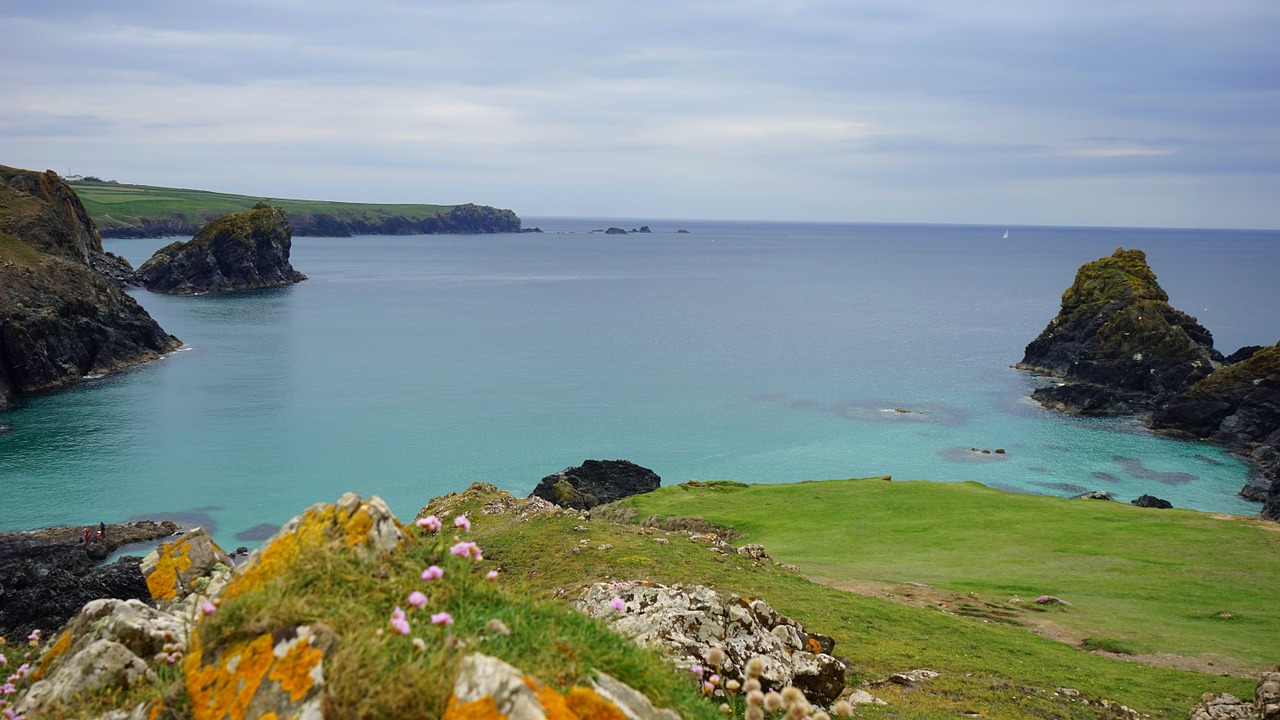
x=1174 y=587
x=113 y=202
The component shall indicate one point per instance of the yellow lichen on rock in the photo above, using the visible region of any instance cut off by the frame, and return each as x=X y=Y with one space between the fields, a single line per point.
x=224 y=688
x=264 y=676
x=55 y=651
x=295 y=672
x=173 y=560
x=587 y=704
x=553 y=704
x=486 y=708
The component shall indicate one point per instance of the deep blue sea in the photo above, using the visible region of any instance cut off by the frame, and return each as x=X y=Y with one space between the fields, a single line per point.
x=409 y=367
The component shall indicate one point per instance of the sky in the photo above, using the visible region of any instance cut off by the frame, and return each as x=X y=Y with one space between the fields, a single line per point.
x=1149 y=113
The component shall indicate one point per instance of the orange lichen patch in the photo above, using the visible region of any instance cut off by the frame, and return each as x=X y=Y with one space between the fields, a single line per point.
x=269 y=716
x=483 y=709
x=588 y=705
x=813 y=646
x=224 y=688
x=157 y=707
x=553 y=704
x=174 y=560
x=358 y=526
x=293 y=671
x=55 y=651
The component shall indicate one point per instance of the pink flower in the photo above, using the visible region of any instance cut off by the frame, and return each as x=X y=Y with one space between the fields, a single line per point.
x=34 y=636
x=462 y=522
x=696 y=670
x=618 y=604
x=708 y=688
x=442 y=618
x=432 y=573
x=417 y=599
x=467 y=549
x=3 y=660
x=430 y=523
x=492 y=574
x=207 y=607
x=399 y=622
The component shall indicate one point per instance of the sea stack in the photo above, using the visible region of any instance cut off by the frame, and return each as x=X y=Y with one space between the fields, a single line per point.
x=1118 y=343
x=60 y=317
x=240 y=251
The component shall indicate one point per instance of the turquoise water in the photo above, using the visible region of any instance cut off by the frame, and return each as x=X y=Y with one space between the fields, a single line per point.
x=411 y=366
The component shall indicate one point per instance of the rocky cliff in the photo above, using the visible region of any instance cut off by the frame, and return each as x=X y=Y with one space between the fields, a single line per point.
x=596 y=482
x=1118 y=343
x=1238 y=405
x=240 y=251
x=60 y=317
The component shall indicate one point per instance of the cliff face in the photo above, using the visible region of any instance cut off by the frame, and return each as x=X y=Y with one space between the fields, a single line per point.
x=239 y=251
x=60 y=318
x=1118 y=342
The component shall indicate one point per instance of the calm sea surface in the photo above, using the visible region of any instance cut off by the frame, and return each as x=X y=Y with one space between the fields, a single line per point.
x=408 y=367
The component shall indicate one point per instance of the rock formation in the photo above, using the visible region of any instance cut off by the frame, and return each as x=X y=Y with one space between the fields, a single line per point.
x=1224 y=706
x=48 y=575
x=1151 y=501
x=1238 y=405
x=60 y=317
x=240 y=251
x=689 y=621
x=596 y=482
x=1118 y=343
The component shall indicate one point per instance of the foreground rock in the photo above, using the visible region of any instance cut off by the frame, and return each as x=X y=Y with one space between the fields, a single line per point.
x=240 y=251
x=61 y=318
x=1118 y=343
x=1224 y=706
x=48 y=575
x=596 y=482
x=689 y=621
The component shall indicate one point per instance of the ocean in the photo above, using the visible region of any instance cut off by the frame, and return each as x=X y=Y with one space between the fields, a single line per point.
x=409 y=367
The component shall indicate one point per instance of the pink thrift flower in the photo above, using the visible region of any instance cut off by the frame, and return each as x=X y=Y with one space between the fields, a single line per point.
x=492 y=575
x=34 y=636
x=618 y=604
x=462 y=522
x=3 y=660
x=417 y=599
x=398 y=621
x=207 y=607
x=432 y=573
x=430 y=523
x=23 y=669
x=708 y=688
x=696 y=670
x=442 y=618
x=467 y=550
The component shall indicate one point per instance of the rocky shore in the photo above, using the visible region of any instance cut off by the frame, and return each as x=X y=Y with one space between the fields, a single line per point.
x=1121 y=349
x=46 y=576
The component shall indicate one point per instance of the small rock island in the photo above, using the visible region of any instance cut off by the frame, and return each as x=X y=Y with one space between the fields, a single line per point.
x=240 y=251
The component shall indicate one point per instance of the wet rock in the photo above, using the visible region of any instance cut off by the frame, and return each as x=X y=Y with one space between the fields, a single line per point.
x=1150 y=501
x=596 y=482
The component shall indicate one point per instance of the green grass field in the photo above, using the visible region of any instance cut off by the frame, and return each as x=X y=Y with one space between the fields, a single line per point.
x=1139 y=581
x=111 y=204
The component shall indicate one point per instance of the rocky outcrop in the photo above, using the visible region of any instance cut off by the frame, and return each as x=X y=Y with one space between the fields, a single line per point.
x=488 y=687
x=48 y=575
x=60 y=318
x=241 y=251
x=596 y=482
x=1238 y=405
x=1151 y=501
x=1224 y=706
x=689 y=621
x=1118 y=343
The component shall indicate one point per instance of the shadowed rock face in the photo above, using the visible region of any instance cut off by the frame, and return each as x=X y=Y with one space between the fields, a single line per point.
x=596 y=482
x=1117 y=332
x=240 y=251
x=60 y=318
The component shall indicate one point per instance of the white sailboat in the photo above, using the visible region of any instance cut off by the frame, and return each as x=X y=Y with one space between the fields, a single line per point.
x=1005 y=236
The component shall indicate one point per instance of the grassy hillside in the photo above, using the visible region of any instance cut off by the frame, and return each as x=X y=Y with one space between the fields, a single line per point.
x=1175 y=587
x=113 y=205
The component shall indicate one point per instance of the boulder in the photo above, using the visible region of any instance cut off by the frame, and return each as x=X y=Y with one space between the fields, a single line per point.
x=1225 y=706
x=173 y=569
x=596 y=482
x=1150 y=501
x=240 y=251
x=688 y=622
x=102 y=666
x=273 y=674
x=60 y=318
x=1117 y=330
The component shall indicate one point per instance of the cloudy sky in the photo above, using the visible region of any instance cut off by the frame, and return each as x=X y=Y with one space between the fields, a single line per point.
x=1079 y=112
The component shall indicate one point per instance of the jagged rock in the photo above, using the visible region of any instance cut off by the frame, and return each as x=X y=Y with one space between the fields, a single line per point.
x=1150 y=501
x=754 y=551
x=689 y=621
x=239 y=251
x=1225 y=706
x=596 y=482
x=60 y=319
x=615 y=231
x=1094 y=495
x=1266 y=696
x=1116 y=330
x=488 y=687
x=172 y=570
x=1085 y=399
x=103 y=665
x=46 y=576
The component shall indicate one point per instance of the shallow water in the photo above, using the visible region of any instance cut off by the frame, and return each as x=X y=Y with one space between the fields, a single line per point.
x=411 y=366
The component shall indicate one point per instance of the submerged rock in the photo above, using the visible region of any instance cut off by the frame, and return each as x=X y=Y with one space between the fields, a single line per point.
x=596 y=482
x=240 y=251
x=1118 y=336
